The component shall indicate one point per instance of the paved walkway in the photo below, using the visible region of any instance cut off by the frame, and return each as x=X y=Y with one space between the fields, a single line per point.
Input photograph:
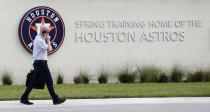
x=189 y=104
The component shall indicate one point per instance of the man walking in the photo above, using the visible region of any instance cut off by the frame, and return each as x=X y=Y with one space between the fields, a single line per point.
x=41 y=46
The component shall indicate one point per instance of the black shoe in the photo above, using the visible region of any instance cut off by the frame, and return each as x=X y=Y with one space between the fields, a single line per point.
x=26 y=102
x=59 y=101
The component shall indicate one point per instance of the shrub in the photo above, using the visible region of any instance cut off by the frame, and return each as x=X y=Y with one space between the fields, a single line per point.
x=207 y=76
x=60 y=78
x=78 y=80
x=163 y=78
x=103 y=76
x=6 y=78
x=126 y=75
x=85 y=79
x=177 y=73
x=199 y=76
x=85 y=76
x=149 y=73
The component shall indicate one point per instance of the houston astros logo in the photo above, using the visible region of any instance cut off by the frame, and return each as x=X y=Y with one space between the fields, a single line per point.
x=30 y=24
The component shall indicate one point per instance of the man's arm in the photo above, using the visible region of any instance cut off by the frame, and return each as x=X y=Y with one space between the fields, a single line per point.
x=49 y=48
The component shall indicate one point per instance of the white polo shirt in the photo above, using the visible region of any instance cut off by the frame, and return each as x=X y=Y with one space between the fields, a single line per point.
x=39 y=48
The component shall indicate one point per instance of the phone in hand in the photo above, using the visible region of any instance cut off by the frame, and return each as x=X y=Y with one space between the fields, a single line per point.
x=46 y=34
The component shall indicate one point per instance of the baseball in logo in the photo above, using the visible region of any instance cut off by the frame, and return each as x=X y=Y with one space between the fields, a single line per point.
x=29 y=27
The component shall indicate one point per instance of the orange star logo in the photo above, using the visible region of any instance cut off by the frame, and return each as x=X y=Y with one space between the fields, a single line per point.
x=43 y=23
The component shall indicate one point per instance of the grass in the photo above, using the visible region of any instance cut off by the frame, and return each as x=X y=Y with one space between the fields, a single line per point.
x=75 y=91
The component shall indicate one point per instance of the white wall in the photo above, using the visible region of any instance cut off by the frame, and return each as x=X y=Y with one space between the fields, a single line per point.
x=193 y=51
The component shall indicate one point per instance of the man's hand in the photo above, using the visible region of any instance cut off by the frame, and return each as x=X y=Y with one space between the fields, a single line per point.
x=49 y=48
x=46 y=37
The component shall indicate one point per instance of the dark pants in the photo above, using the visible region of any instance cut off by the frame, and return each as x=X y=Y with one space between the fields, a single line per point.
x=41 y=66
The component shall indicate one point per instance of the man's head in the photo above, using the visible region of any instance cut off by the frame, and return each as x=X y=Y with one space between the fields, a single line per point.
x=44 y=30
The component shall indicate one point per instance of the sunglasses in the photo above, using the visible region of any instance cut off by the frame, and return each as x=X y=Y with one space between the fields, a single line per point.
x=45 y=32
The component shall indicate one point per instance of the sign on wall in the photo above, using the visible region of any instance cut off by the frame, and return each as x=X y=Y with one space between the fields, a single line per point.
x=30 y=23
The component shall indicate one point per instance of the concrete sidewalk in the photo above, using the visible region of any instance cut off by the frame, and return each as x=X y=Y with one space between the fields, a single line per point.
x=180 y=104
